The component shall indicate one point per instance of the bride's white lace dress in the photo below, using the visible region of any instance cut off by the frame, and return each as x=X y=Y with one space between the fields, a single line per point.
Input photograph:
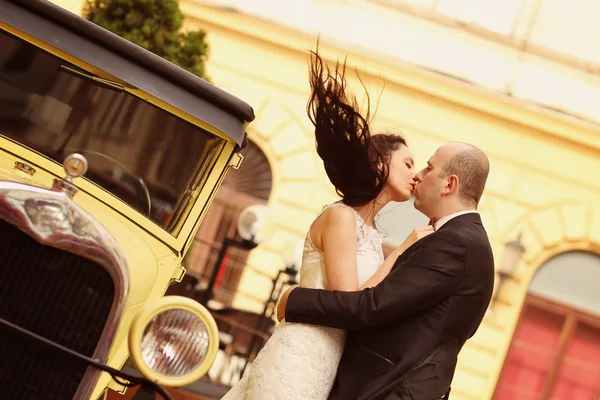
x=300 y=361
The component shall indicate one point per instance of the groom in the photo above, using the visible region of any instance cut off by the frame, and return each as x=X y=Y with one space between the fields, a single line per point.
x=404 y=335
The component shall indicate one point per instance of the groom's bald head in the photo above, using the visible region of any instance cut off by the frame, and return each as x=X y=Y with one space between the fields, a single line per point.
x=470 y=165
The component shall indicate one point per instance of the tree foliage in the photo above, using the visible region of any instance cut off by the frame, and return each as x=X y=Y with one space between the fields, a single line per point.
x=155 y=25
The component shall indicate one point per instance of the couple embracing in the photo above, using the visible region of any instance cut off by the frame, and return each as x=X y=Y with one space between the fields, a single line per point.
x=360 y=327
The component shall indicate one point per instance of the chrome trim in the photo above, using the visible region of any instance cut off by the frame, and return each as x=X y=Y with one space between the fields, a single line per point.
x=75 y=165
x=53 y=219
x=28 y=169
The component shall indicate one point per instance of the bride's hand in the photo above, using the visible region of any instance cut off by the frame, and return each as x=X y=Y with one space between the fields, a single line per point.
x=415 y=236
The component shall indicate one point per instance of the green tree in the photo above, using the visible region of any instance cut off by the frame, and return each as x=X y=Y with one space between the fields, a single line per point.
x=155 y=25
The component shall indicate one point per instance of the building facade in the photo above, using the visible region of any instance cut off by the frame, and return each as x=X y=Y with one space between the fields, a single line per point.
x=523 y=92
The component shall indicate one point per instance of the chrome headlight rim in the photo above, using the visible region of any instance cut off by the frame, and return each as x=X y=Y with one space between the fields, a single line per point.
x=145 y=316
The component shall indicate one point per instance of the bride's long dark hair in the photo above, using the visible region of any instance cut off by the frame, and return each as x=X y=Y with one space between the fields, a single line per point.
x=356 y=162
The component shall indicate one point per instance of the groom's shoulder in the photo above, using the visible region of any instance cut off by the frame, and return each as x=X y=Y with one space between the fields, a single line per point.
x=466 y=228
x=470 y=238
x=450 y=237
x=442 y=243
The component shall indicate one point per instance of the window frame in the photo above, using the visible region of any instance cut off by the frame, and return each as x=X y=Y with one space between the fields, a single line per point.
x=573 y=317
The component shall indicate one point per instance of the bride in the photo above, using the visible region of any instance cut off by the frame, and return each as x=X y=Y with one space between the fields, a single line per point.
x=343 y=247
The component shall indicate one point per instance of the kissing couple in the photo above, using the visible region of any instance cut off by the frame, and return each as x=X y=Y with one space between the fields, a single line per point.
x=359 y=327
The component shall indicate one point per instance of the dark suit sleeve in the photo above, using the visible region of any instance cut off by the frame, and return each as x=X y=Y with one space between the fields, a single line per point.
x=429 y=275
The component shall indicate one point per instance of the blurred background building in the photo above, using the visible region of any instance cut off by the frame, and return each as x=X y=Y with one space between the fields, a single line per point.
x=518 y=78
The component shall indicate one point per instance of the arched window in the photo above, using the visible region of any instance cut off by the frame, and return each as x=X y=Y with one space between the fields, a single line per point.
x=555 y=351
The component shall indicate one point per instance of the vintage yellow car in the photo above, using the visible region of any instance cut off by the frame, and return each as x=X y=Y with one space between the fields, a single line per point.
x=109 y=159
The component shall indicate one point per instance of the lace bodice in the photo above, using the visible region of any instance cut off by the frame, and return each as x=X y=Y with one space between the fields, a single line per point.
x=299 y=361
x=369 y=255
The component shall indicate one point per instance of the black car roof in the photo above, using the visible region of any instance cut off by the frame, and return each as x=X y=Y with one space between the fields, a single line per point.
x=130 y=63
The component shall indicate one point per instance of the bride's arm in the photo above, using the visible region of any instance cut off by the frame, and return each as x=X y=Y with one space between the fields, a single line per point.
x=334 y=233
x=387 y=265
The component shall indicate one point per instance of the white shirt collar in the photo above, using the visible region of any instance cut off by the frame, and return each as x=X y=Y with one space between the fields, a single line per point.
x=439 y=223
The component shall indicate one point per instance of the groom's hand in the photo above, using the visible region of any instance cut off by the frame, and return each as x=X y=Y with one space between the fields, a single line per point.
x=282 y=303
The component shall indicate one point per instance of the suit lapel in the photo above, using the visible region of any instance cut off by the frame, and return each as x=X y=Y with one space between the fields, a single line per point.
x=404 y=256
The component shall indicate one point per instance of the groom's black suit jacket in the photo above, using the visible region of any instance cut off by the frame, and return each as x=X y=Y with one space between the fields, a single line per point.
x=404 y=335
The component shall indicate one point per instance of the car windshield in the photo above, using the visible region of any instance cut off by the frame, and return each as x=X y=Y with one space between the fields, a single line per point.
x=138 y=152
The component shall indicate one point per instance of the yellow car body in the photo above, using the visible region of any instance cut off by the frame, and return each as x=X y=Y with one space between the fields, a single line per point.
x=144 y=198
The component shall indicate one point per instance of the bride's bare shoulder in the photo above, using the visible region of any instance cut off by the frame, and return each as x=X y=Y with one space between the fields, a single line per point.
x=338 y=214
x=335 y=218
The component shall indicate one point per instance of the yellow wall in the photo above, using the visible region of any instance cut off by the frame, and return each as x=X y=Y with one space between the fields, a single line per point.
x=74 y=6
x=542 y=181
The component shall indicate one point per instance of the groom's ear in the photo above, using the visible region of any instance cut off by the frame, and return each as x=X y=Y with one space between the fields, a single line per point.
x=451 y=185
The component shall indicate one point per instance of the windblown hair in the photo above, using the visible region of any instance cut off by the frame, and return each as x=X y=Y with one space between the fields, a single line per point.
x=356 y=162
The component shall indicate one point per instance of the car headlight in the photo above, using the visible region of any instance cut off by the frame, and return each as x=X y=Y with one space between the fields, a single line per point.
x=173 y=341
